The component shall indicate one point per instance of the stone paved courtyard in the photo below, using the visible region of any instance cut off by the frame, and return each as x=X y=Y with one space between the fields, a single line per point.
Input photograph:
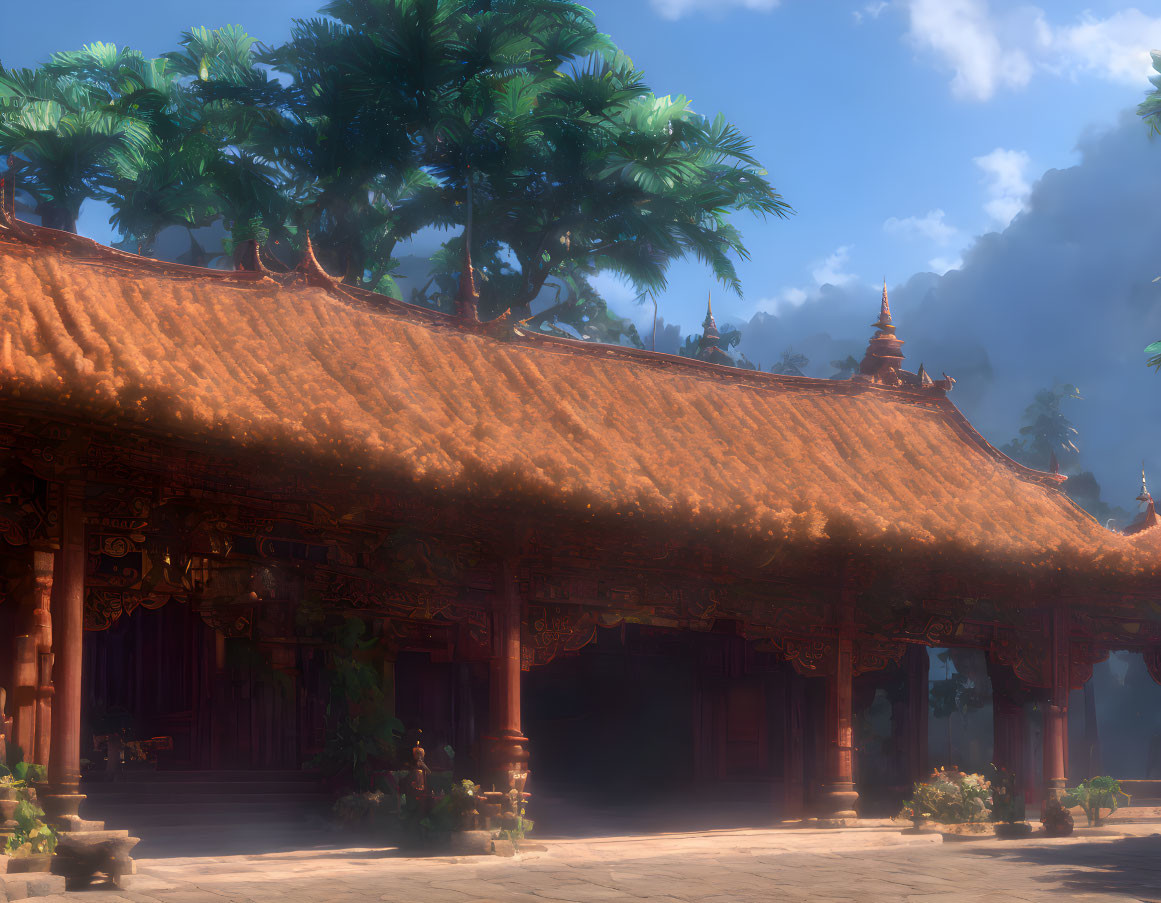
x=866 y=865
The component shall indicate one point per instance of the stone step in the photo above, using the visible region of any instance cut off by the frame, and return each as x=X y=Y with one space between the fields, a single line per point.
x=143 y=821
x=24 y=887
x=196 y=788
x=262 y=803
x=98 y=803
x=217 y=777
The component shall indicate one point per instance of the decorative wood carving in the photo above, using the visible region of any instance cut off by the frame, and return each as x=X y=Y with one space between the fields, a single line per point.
x=875 y=654
x=29 y=509
x=553 y=630
x=1082 y=658
x=1153 y=662
x=1028 y=654
x=103 y=607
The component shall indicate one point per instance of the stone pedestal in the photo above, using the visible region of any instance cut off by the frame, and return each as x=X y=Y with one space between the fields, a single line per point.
x=82 y=856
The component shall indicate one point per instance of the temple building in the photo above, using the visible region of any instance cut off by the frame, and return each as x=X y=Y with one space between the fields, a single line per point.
x=568 y=557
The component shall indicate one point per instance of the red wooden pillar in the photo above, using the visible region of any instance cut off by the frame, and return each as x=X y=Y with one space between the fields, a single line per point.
x=68 y=604
x=31 y=701
x=918 y=689
x=838 y=791
x=43 y=566
x=794 y=751
x=1056 y=707
x=507 y=747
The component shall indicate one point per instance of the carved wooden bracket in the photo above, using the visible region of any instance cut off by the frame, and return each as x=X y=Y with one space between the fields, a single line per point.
x=1083 y=656
x=104 y=607
x=1153 y=662
x=553 y=630
x=815 y=656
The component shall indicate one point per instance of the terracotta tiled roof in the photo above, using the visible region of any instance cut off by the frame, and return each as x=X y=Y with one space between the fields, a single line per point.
x=292 y=361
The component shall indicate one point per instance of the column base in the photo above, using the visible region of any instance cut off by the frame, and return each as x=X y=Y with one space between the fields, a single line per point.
x=504 y=756
x=1055 y=789
x=60 y=805
x=838 y=802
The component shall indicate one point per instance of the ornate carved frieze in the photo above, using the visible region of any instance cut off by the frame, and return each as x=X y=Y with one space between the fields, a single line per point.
x=103 y=607
x=232 y=622
x=815 y=655
x=403 y=602
x=29 y=509
x=1116 y=631
x=876 y=654
x=553 y=630
x=810 y=655
x=1027 y=653
x=1083 y=655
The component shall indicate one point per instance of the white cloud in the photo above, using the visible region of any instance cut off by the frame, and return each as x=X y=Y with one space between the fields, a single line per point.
x=964 y=34
x=933 y=226
x=988 y=51
x=1116 y=48
x=941 y=265
x=825 y=272
x=870 y=11
x=788 y=297
x=676 y=9
x=830 y=271
x=1006 y=182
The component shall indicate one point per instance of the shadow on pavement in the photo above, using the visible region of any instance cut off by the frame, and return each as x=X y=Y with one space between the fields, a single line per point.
x=1130 y=866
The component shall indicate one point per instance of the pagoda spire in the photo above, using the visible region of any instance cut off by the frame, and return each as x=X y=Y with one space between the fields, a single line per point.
x=884 y=357
x=884 y=323
x=1147 y=518
x=709 y=347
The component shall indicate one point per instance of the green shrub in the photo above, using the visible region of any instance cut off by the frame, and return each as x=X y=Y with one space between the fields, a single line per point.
x=949 y=797
x=1094 y=795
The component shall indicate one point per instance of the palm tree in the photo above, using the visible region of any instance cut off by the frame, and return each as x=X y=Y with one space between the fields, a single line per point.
x=66 y=136
x=791 y=363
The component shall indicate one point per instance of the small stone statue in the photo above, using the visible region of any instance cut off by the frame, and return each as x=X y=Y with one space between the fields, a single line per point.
x=1056 y=819
x=4 y=727
x=419 y=771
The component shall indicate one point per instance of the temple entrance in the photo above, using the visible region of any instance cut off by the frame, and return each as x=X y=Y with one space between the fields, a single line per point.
x=179 y=695
x=652 y=729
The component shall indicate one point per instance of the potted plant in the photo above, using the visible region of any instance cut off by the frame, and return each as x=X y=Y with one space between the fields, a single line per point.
x=1007 y=809
x=951 y=798
x=1094 y=795
x=30 y=842
x=1056 y=819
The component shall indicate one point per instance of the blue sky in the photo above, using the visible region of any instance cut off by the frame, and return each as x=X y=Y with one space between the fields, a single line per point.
x=898 y=131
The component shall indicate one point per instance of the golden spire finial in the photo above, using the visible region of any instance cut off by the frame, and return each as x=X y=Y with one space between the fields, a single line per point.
x=1144 y=496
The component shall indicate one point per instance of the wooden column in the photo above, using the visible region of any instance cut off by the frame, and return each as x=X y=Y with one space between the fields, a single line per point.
x=1056 y=708
x=32 y=664
x=838 y=791
x=68 y=604
x=1008 y=723
x=918 y=664
x=43 y=567
x=507 y=747
x=839 y=796
x=794 y=750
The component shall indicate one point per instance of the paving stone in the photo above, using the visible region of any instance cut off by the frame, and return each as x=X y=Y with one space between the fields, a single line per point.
x=867 y=866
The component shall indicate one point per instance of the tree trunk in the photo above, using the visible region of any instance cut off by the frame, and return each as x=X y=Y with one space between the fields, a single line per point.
x=53 y=216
